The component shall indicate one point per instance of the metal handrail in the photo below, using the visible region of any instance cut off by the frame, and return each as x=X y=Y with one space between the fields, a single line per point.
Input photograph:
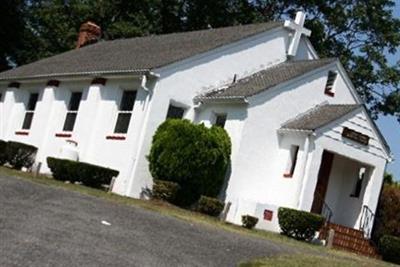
x=367 y=221
x=326 y=211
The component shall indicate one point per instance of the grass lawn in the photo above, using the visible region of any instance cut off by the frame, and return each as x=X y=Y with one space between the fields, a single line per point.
x=306 y=254
x=341 y=259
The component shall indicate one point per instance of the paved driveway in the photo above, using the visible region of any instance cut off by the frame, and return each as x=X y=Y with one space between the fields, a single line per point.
x=47 y=226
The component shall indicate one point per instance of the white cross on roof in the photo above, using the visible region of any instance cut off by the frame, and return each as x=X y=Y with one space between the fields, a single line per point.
x=298 y=27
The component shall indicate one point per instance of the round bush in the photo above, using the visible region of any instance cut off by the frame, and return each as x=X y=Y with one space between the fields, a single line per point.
x=165 y=190
x=299 y=224
x=3 y=155
x=194 y=156
x=389 y=247
x=249 y=222
x=210 y=206
x=20 y=155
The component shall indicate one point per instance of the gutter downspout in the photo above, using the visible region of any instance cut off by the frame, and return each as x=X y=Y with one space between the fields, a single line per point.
x=147 y=104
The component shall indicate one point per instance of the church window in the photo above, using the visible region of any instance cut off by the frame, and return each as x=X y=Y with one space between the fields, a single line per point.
x=72 y=112
x=220 y=120
x=291 y=164
x=358 y=184
x=175 y=112
x=30 y=110
x=125 y=112
x=329 y=87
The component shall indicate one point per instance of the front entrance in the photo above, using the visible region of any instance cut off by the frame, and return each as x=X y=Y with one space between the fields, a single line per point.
x=322 y=183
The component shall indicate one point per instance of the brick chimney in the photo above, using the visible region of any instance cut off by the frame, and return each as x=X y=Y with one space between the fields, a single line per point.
x=89 y=33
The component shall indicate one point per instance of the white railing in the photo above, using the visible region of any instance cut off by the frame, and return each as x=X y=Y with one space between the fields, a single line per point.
x=367 y=221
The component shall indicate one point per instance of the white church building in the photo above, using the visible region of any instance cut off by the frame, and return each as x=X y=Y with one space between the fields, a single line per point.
x=301 y=136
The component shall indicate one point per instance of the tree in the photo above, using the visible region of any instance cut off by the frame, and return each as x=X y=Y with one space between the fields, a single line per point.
x=387 y=220
x=193 y=156
x=11 y=31
x=362 y=33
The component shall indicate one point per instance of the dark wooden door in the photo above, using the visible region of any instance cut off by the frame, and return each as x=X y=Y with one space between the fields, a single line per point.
x=322 y=184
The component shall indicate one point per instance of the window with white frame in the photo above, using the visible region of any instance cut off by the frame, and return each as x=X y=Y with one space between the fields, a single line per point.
x=359 y=182
x=329 y=87
x=30 y=111
x=72 y=112
x=292 y=160
x=175 y=112
x=125 y=112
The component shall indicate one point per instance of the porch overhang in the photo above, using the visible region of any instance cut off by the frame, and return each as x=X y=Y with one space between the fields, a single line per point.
x=322 y=118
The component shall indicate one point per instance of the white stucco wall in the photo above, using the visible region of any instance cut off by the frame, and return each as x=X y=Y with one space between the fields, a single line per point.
x=263 y=153
x=183 y=81
x=343 y=177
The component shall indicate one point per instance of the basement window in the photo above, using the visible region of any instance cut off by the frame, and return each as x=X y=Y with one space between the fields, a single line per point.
x=30 y=110
x=125 y=112
x=220 y=120
x=72 y=112
x=329 y=87
x=291 y=165
x=175 y=112
x=358 y=184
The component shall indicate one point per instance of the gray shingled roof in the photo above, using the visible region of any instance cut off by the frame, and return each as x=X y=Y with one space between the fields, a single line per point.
x=136 y=54
x=267 y=78
x=319 y=116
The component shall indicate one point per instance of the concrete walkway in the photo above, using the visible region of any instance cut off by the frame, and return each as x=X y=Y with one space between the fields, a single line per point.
x=47 y=226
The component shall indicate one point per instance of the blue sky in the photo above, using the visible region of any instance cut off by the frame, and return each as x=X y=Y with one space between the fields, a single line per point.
x=389 y=126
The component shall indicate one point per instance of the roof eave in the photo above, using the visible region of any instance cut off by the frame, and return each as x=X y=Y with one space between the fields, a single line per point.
x=138 y=72
x=294 y=130
x=221 y=100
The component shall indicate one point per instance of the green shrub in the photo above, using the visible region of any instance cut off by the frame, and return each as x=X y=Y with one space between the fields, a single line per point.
x=3 y=155
x=210 y=206
x=389 y=247
x=88 y=174
x=194 y=156
x=299 y=224
x=62 y=169
x=249 y=221
x=20 y=155
x=165 y=190
x=387 y=220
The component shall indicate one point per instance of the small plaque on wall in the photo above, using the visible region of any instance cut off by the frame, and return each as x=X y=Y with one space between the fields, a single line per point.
x=355 y=136
x=268 y=215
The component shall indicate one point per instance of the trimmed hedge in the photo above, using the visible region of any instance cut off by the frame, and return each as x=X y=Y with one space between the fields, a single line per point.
x=194 y=156
x=20 y=155
x=3 y=155
x=210 y=206
x=74 y=171
x=165 y=190
x=299 y=224
x=389 y=247
x=249 y=221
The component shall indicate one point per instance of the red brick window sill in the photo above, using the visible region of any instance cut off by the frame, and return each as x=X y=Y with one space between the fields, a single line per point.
x=115 y=137
x=329 y=93
x=63 y=135
x=21 y=133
